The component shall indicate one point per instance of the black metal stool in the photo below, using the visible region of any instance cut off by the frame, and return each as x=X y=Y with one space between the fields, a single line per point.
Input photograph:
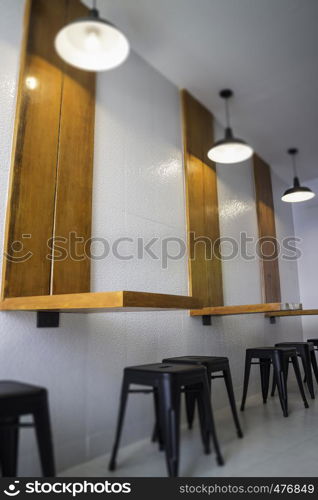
x=305 y=351
x=279 y=357
x=315 y=342
x=213 y=364
x=167 y=381
x=18 y=399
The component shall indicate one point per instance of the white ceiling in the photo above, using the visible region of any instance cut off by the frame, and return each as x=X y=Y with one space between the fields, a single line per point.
x=265 y=50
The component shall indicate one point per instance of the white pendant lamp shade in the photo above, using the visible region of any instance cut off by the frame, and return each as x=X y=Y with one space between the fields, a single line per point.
x=230 y=149
x=297 y=193
x=92 y=44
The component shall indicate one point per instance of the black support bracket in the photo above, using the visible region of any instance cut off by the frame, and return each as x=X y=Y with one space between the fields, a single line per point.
x=206 y=320
x=48 y=319
x=272 y=320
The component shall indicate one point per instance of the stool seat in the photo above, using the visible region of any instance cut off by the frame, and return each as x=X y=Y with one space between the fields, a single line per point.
x=213 y=364
x=263 y=350
x=12 y=389
x=166 y=368
x=18 y=399
x=167 y=381
x=296 y=344
x=201 y=360
x=279 y=358
x=306 y=351
x=152 y=374
x=313 y=341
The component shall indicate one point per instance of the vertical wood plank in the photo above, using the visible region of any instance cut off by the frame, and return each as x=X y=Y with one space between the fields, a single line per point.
x=205 y=267
x=30 y=208
x=73 y=210
x=267 y=231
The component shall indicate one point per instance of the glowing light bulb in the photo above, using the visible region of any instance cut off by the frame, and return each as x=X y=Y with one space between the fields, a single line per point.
x=92 y=40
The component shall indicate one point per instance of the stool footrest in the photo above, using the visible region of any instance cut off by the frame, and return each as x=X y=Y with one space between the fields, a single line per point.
x=15 y=426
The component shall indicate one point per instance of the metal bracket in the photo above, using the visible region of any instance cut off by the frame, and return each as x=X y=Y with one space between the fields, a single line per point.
x=272 y=320
x=206 y=320
x=46 y=319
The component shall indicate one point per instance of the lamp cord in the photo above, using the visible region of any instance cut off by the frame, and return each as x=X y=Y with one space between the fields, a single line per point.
x=294 y=166
x=227 y=113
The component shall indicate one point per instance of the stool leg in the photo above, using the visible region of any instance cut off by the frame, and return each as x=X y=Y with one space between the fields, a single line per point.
x=306 y=361
x=157 y=435
x=287 y=369
x=204 y=396
x=261 y=369
x=9 y=439
x=268 y=371
x=314 y=364
x=204 y=427
x=265 y=371
x=169 y=404
x=190 y=399
x=274 y=380
x=280 y=378
x=273 y=385
x=299 y=380
x=42 y=424
x=230 y=393
x=248 y=360
x=120 y=421
x=154 y=435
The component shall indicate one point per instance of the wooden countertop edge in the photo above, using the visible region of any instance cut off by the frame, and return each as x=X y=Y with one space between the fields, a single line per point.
x=298 y=312
x=99 y=301
x=236 y=310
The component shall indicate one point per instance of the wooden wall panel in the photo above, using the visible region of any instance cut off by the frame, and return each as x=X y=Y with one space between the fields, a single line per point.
x=205 y=274
x=52 y=160
x=75 y=174
x=33 y=172
x=267 y=231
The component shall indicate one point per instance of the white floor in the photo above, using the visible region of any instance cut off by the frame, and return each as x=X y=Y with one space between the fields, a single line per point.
x=272 y=446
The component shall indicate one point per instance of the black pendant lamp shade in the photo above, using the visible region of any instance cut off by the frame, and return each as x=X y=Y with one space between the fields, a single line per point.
x=230 y=149
x=297 y=193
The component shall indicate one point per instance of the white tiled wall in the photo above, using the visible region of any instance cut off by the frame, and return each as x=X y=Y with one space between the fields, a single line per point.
x=236 y=192
x=138 y=190
x=138 y=176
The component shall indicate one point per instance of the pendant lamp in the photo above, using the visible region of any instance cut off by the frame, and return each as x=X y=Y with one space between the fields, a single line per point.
x=297 y=193
x=91 y=43
x=230 y=149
